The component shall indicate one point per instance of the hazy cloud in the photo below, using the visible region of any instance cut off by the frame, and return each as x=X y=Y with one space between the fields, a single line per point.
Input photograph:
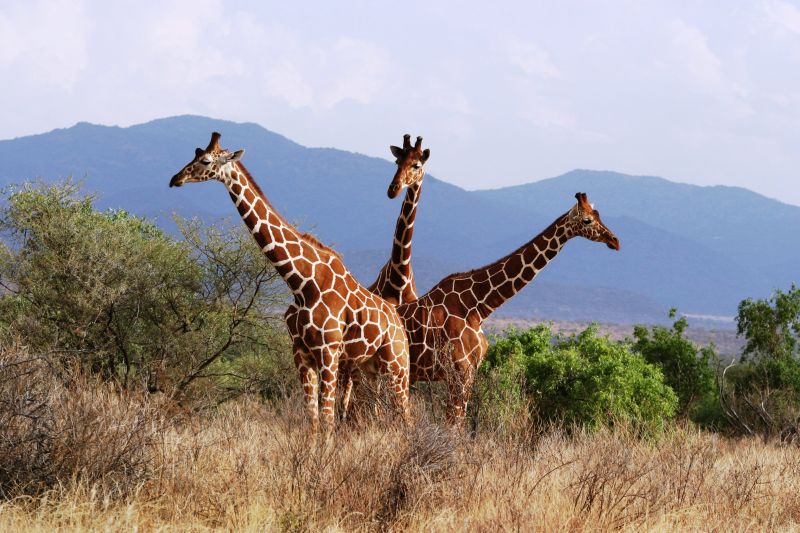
x=660 y=88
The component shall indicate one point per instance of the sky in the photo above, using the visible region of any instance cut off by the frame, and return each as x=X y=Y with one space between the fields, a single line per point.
x=704 y=92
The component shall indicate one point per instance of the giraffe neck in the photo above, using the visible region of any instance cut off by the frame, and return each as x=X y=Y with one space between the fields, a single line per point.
x=396 y=279
x=496 y=283
x=291 y=252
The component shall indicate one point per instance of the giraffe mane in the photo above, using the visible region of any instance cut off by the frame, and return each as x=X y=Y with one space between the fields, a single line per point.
x=307 y=237
x=315 y=242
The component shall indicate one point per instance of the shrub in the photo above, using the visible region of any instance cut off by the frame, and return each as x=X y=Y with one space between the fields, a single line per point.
x=112 y=294
x=56 y=427
x=583 y=380
x=687 y=369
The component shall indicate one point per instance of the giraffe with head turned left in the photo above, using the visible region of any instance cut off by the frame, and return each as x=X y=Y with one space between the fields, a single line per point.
x=335 y=323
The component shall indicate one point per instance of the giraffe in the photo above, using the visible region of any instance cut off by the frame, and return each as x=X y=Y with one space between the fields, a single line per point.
x=444 y=326
x=395 y=281
x=334 y=321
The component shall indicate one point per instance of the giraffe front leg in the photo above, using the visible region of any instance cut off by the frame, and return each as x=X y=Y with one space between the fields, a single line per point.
x=308 y=379
x=328 y=376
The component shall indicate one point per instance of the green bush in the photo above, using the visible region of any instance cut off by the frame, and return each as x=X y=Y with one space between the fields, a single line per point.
x=687 y=369
x=583 y=380
x=113 y=295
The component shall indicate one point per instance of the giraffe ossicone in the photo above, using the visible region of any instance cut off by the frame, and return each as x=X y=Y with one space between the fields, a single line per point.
x=335 y=323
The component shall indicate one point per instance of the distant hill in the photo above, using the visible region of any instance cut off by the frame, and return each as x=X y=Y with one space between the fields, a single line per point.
x=701 y=249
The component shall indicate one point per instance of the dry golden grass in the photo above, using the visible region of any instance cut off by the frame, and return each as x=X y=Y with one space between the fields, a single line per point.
x=252 y=467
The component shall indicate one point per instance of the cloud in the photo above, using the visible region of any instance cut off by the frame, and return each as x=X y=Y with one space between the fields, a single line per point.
x=529 y=57
x=44 y=41
x=784 y=15
x=702 y=64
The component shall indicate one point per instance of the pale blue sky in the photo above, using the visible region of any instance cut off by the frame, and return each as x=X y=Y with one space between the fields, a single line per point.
x=697 y=91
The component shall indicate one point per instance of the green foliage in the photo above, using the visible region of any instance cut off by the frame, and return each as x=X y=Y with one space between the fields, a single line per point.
x=583 y=380
x=761 y=393
x=771 y=327
x=113 y=295
x=687 y=369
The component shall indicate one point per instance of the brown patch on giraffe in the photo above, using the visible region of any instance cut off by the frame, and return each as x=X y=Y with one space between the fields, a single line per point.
x=293 y=280
x=261 y=239
x=335 y=302
x=324 y=275
x=260 y=210
x=279 y=254
x=293 y=249
x=303 y=266
x=514 y=264
x=251 y=219
x=310 y=294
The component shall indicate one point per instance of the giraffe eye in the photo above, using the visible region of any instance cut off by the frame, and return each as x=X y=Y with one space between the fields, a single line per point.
x=417 y=166
x=205 y=161
x=587 y=220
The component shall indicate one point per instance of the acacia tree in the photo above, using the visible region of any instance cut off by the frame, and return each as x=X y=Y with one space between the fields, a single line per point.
x=112 y=295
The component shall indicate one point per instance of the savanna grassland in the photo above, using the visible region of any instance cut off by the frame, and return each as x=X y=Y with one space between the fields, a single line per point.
x=252 y=467
x=146 y=383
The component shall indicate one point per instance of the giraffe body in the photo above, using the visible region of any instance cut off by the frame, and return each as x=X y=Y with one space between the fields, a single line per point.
x=444 y=326
x=335 y=323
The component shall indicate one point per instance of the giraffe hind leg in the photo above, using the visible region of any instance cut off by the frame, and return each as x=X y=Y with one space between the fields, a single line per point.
x=396 y=363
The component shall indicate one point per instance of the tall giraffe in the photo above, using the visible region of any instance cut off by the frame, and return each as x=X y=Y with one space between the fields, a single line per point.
x=336 y=321
x=444 y=326
x=395 y=281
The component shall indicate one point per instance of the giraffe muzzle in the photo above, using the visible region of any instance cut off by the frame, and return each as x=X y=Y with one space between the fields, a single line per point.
x=176 y=181
x=394 y=190
x=613 y=243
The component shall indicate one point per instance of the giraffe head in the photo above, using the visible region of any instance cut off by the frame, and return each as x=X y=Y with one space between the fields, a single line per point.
x=208 y=164
x=584 y=220
x=410 y=165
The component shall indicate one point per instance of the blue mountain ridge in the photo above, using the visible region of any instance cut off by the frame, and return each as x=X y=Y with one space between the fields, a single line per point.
x=702 y=249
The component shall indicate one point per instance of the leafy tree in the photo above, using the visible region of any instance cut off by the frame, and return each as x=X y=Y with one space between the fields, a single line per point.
x=761 y=393
x=113 y=295
x=584 y=379
x=771 y=327
x=687 y=369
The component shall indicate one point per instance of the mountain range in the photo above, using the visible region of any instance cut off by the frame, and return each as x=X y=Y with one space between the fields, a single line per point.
x=700 y=249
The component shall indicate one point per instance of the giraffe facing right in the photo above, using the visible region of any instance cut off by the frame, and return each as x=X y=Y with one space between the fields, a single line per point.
x=445 y=325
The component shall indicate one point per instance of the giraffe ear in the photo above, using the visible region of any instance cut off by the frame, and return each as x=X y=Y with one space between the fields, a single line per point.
x=426 y=153
x=237 y=155
x=198 y=152
x=397 y=152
